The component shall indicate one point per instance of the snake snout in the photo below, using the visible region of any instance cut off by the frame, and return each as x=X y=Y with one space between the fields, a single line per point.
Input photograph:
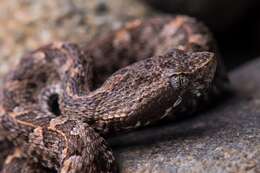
x=203 y=72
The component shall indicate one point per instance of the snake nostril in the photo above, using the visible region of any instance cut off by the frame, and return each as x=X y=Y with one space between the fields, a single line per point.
x=53 y=103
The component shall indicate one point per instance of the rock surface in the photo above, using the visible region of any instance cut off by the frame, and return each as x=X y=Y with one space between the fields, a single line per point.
x=28 y=24
x=225 y=139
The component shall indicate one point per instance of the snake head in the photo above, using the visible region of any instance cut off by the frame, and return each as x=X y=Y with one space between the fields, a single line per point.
x=195 y=72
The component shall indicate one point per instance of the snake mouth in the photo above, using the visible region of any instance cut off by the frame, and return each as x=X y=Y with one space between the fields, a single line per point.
x=53 y=104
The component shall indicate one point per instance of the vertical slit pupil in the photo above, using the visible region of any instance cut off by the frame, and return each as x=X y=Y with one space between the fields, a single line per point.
x=53 y=104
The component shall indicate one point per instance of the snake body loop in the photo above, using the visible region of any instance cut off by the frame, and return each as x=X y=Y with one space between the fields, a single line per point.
x=62 y=100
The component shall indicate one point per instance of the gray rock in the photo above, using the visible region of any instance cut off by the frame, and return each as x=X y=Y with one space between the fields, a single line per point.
x=218 y=14
x=30 y=24
x=224 y=139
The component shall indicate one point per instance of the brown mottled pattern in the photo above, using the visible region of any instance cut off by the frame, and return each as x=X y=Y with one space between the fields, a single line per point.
x=61 y=101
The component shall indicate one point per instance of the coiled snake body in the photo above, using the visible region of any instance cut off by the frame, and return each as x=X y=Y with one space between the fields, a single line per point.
x=62 y=100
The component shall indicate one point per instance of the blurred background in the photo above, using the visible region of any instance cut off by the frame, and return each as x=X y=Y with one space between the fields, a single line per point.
x=28 y=24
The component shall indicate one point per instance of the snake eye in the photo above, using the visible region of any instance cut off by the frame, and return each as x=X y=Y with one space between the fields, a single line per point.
x=179 y=81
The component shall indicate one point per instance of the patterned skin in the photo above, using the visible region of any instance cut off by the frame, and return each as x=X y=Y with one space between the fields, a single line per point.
x=61 y=101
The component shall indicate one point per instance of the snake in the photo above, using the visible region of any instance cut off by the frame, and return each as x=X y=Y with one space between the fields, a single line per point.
x=63 y=100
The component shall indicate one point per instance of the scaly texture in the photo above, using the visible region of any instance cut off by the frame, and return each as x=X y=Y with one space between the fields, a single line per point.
x=61 y=100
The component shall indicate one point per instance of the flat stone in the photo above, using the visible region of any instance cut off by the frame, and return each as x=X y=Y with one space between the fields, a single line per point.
x=27 y=25
x=224 y=139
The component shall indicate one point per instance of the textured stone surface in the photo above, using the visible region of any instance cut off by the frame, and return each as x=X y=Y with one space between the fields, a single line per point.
x=27 y=24
x=219 y=14
x=225 y=139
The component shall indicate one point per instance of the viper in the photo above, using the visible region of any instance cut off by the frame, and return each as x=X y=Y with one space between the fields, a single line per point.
x=61 y=102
